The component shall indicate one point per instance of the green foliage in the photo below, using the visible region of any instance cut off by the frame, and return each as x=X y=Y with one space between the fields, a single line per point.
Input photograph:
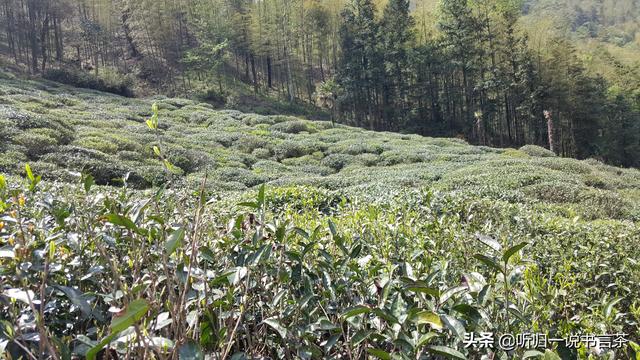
x=109 y=81
x=291 y=149
x=291 y=127
x=341 y=255
x=534 y=150
x=337 y=161
x=36 y=143
x=423 y=266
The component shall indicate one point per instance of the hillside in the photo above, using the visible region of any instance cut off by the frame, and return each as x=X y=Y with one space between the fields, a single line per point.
x=361 y=243
x=57 y=128
x=607 y=33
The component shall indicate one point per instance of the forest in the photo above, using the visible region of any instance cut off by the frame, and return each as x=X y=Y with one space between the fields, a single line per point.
x=562 y=75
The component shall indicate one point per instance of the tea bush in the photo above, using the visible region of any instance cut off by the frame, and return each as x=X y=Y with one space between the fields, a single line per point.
x=534 y=150
x=243 y=176
x=36 y=143
x=108 y=82
x=291 y=149
x=337 y=161
x=290 y=127
x=363 y=244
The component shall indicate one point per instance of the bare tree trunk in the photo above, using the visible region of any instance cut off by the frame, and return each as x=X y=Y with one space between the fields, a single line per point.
x=43 y=43
x=269 y=70
x=550 y=132
x=33 y=41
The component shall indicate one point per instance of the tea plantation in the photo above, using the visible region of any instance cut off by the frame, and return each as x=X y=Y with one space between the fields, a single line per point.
x=226 y=235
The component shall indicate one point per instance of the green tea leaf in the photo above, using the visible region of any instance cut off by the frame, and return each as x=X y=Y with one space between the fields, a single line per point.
x=608 y=309
x=356 y=310
x=207 y=254
x=20 y=295
x=446 y=352
x=380 y=354
x=428 y=317
x=532 y=354
x=512 y=251
x=133 y=312
x=489 y=241
x=78 y=299
x=277 y=326
x=174 y=240
x=123 y=221
x=360 y=336
x=88 y=181
x=488 y=261
x=261 y=196
x=29 y=172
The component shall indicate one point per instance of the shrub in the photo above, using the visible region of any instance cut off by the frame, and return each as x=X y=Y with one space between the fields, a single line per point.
x=515 y=153
x=569 y=166
x=97 y=143
x=226 y=139
x=290 y=127
x=36 y=144
x=187 y=160
x=261 y=153
x=146 y=176
x=368 y=159
x=135 y=156
x=596 y=181
x=12 y=161
x=312 y=169
x=555 y=192
x=337 y=161
x=21 y=120
x=597 y=204
x=394 y=157
x=244 y=176
x=108 y=81
x=7 y=132
x=290 y=149
x=105 y=170
x=538 y=151
x=249 y=143
x=356 y=148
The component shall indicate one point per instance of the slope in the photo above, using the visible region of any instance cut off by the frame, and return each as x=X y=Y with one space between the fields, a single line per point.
x=360 y=243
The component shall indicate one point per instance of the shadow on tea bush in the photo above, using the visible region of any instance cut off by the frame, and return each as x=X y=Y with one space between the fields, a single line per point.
x=110 y=81
x=597 y=204
x=105 y=169
x=244 y=176
x=12 y=160
x=35 y=143
x=291 y=127
x=337 y=161
x=97 y=143
x=249 y=143
x=554 y=192
x=187 y=160
x=290 y=149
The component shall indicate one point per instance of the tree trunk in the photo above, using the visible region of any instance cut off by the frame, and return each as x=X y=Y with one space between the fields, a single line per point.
x=269 y=80
x=550 y=128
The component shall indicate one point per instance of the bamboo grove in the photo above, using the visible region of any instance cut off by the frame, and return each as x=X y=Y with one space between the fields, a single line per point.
x=460 y=68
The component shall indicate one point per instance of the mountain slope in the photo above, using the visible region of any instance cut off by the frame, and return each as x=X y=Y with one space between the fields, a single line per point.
x=57 y=128
x=360 y=242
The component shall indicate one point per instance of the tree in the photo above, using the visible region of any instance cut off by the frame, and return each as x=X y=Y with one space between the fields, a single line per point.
x=396 y=32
